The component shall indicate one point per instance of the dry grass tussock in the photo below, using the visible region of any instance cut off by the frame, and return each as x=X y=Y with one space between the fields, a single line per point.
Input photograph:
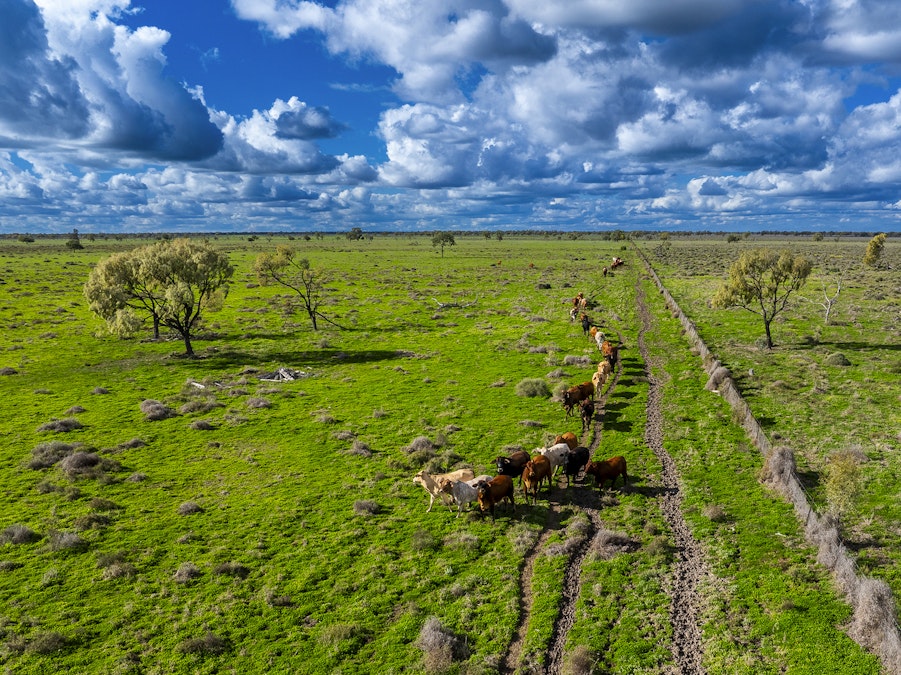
x=61 y=426
x=209 y=644
x=155 y=411
x=578 y=361
x=19 y=534
x=189 y=508
x=366 y=507
x=47 y=454
x=533 y=387
x=186 y=573
x=440 y=647
x=578 y=662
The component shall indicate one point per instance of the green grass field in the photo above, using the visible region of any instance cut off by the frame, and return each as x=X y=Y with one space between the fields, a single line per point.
x=275 y=527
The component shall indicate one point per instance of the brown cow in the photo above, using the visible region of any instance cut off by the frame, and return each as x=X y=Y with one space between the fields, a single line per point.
x=496 y=490
x=609 y=468
x=569 y=438
x=534 y=474
x=575 y=394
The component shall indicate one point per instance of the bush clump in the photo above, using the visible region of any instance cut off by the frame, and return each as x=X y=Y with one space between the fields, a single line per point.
x=209 y=644
x=186 y=573
x=366 y=507
x=155 y=411
x=80 y=464
x=45 y=455
x=232 y=569
x=837 y=359
x=19 y=534
x=440 y=647
x=533 y=387
x=66 y=541
x=62 y=426
x=189 y=508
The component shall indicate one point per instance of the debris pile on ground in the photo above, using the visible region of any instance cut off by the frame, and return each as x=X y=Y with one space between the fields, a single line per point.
x=284 y=375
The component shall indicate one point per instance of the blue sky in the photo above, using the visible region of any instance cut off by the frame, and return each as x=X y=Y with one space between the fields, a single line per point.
x=287 y=115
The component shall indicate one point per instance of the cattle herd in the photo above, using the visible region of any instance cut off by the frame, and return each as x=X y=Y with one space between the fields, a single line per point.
x=463 y=487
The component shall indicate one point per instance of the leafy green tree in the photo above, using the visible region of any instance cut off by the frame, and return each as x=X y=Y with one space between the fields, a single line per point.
x=173 y=281
x=355 y=234
x=74 y=242
x=875 y=248
x=761 y=281
x=443 y=239
x=285 y=268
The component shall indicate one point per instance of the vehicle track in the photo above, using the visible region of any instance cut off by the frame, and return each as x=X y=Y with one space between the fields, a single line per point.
x=689 y=568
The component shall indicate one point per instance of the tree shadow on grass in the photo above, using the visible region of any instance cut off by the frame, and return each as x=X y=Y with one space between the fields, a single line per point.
x=230 y=359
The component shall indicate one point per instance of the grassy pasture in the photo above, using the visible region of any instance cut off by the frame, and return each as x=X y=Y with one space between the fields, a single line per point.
x=270 y=526
x=803 y=394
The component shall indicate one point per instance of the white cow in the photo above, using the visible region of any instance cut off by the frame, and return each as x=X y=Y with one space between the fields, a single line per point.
x=432 y=484
x=555 y=455
x=464 y=491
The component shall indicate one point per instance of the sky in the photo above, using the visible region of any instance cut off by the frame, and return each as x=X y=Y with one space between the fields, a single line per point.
x=464 y=115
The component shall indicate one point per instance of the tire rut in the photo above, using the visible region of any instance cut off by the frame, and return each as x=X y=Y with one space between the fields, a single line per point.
x=689 y=568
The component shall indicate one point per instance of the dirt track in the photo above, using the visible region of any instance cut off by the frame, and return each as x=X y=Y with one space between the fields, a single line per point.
x=688 y=569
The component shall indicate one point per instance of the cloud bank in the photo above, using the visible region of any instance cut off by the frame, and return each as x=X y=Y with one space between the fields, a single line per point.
x=516 y=114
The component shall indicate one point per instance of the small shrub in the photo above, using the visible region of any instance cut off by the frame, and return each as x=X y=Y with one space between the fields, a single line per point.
x=837 y=359
x=186 y=573
x=379 y=413
x=45 y=455
x=8 y=371
x=119 y=571
x=499 y=383
x=533 y=387
x=440 y=647
x=19 y=534
x=462 y=540
x=80 y=464
x=137 y=477
x=189 y=508
x=366 y=507
x=579 y=361
x=62 y=426
x=66 y=541
x=91 y=521
x=203 y=425
x=155 y=411
x=360 y=448
x=99 y=390
x=75 y=410
x=258 y=402
x=199 y=405
x=208 y=645
x=423 y=540
x=232 y=569
x=47 y=642
x=715 y=513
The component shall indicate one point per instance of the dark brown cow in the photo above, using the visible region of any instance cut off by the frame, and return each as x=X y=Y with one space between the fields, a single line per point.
x=574 y=461
x=512 y=465
x=608 y=468
x=496 y=490
x=586 y=412
x=576 y=394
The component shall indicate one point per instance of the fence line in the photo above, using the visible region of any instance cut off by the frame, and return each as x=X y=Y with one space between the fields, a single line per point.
x=874 y=625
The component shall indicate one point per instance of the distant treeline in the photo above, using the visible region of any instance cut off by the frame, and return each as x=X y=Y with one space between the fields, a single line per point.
x=358 y=234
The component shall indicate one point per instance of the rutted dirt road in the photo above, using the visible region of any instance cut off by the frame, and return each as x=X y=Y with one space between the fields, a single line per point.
x=689 y=567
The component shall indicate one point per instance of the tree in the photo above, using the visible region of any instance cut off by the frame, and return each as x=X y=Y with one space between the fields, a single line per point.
x=761 y=281
x=74 y=242
x=873 y=256
x=828 y=303
x=173 y=281
x=285 y=268
x=355 y=234
x=443 y=239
